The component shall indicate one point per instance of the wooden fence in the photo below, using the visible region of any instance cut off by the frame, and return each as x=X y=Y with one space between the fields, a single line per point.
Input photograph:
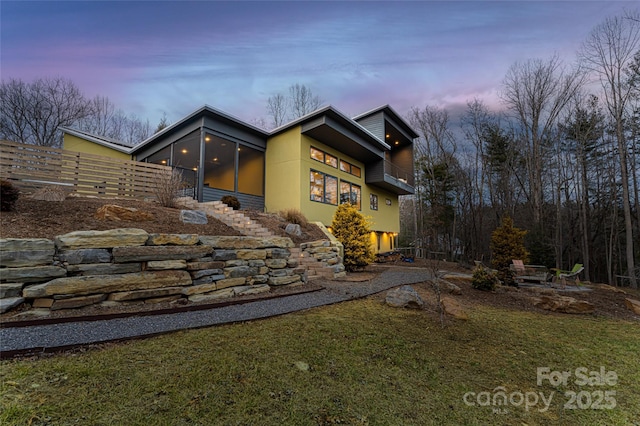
x=31 y=167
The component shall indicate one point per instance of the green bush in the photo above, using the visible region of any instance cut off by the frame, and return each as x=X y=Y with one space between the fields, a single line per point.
x=294 y=216
x=8 y=196
x=231 y=201
x=484 y=279
x=352 y=229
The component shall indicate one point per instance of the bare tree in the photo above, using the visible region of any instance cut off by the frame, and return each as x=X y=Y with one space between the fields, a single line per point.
x=607 y=52
x=277 y=109
x=32 y=112
x=300 y=101
x=536 y=91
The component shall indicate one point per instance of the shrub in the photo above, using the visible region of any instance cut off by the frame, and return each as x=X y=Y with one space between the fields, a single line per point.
x=507 y=243
x=484 y=279
x=8 y=196
x=352 y=229
x=294 y=216
x=168 y=186
x=231 y=201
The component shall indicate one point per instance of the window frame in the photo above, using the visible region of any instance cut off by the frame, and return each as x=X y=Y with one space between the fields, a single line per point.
x=373 y=202
x=326 y=199
x=359 y=193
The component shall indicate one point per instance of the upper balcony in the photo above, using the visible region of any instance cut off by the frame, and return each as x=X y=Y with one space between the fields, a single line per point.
x=390 y=177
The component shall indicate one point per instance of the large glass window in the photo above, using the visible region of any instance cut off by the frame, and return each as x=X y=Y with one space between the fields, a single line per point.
x=250 y=171
x=373 y=201
x=350 y=193
x=323 y=188
x=220 y=163
x=324 y=157
x=186 y=152
x=350 y=168
x=161 y=157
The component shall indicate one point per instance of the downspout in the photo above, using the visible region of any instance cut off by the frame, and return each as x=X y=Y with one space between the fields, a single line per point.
x=199 y=172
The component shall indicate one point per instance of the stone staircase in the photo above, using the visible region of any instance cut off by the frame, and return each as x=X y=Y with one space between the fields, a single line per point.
x=225 y=214
x=314 y=266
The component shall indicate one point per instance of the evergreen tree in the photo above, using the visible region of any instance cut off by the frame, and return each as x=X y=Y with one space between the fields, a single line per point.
x=507 y=243
x=352 y=229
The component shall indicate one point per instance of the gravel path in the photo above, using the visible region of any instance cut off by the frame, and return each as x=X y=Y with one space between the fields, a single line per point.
x=55 y=336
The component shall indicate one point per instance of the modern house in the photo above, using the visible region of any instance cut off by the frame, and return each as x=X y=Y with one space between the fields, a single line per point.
x=311 y=164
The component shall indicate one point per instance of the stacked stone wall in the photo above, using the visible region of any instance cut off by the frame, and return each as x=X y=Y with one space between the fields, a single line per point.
x=129 y=265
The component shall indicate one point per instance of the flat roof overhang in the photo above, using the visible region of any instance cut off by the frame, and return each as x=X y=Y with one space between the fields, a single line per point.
x=330 y=132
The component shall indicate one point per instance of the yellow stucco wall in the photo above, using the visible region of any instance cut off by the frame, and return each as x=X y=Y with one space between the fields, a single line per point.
x=74 y=143
x=282 y=171
x=288 y=165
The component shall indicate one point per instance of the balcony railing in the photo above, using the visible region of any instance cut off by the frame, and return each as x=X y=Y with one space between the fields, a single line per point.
x=398 y=173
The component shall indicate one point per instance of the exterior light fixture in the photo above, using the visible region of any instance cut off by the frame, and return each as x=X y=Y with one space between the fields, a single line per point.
x=184 y=151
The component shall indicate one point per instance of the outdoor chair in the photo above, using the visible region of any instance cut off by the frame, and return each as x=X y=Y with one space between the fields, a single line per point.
x=522 y=272
x=571 y=275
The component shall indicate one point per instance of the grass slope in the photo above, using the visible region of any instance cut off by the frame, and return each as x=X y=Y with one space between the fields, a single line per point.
x=368 y=364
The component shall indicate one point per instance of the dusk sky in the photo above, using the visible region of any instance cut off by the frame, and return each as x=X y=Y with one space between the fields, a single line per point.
x=150 y=57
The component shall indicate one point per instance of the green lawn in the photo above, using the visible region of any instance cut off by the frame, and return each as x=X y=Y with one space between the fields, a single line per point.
x=368 y=364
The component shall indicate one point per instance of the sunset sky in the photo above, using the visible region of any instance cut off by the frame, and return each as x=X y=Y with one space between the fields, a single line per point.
x=150 y=57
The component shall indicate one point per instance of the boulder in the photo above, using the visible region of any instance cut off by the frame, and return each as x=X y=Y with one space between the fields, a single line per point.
x=172 y=239
x=26 y=252
x=633 y=305
x=565 y=304
x=214 y=295
x=77 y=302
x=104 y=268
x=452 y=308
x=9 y=303
x=115 y=212
x=145 y=294
x=450 y=287
x=146 y=253
x=74 y=257
x=102 y=239
x=194 y=217
x=404 y=297
x=91 y=284
x=293 y=229
x=10 y=290
x=231 y=242
x=159 y=265
x=31 y=274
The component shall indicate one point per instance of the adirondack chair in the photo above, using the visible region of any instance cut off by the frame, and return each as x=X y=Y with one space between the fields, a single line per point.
x=571 y=275
x=522 y=272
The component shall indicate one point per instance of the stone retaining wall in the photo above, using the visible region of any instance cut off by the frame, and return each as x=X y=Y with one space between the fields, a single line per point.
x=130 y=265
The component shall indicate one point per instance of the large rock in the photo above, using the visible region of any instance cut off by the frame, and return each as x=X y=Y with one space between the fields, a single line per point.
x=214 y=295
x=452 y=308
x=108 y=283
x=31 y=274
x=102 y=239
x=172 y=239
x=10 y=290
x=289 y=279
x=251 y=254
x=15 y=252
x=231 y=242
x=77 y=302
x=9 y=303
x=104 y=268
x=145 y=253
x=404 y=297
x=74 y=257
x=115 y=212
x=633 y=305
x=293 y=229
x=565 y=304
x=251 y=289
x=145 y=294
x=194 y=217
x=450 y=287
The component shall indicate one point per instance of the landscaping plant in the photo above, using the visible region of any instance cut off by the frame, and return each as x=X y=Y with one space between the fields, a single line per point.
x=484 y=279
x=231 y=201
x=294 y=216
x=352 y=229
x=8 y=195
x=168 y=186
x=507 y=243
